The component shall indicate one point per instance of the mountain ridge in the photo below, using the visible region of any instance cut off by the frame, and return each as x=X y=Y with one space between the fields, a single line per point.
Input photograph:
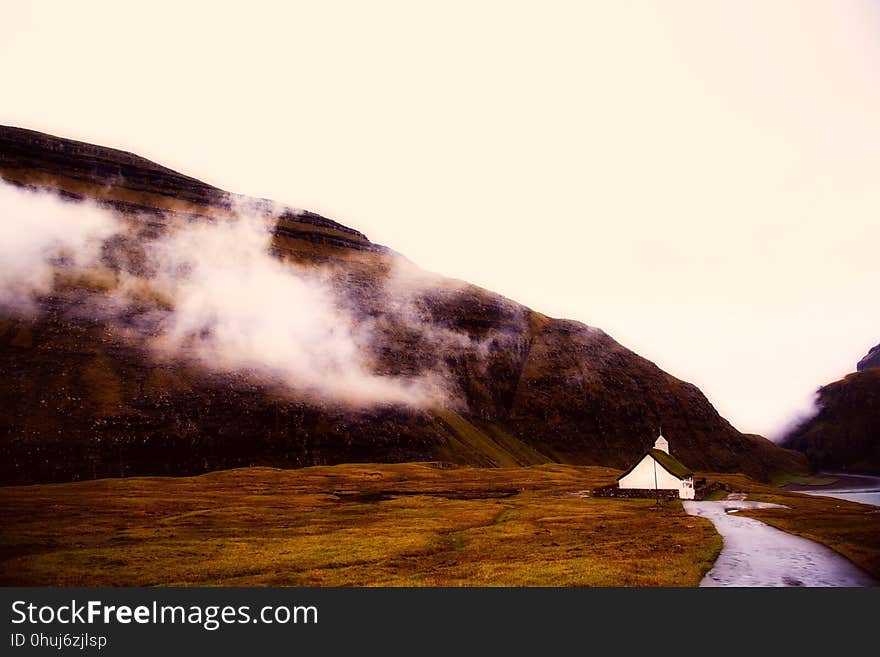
x=870 y=360
x=530 y=388
x=842 y=435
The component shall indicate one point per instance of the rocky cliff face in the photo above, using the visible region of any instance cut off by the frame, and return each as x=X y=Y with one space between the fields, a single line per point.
x=844 y=434
x=871 y=360
x=84 y=398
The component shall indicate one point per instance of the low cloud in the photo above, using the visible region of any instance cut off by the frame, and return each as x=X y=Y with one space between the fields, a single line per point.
x=40 y=232
x=227 y=303
x=236 y=307
x=407 y=288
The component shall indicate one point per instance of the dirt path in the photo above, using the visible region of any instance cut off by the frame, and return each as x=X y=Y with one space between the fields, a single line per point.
x=756 y=554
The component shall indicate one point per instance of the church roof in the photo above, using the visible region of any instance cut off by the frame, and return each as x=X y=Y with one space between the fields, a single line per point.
x=669 y=463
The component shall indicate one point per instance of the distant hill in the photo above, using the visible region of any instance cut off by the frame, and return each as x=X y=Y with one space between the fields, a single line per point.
x=83 y=396
x=844 y=434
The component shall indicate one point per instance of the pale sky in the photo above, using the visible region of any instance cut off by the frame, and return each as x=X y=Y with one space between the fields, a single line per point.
x=698 y=178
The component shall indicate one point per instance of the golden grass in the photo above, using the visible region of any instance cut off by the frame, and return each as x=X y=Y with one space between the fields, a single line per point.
x=94 y=279
x=786 y=478
x=361 y=525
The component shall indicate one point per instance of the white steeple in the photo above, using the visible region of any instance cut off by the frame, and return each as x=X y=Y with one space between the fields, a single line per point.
x=661 y=443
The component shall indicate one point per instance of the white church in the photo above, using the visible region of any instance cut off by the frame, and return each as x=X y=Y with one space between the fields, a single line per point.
x=659 y=470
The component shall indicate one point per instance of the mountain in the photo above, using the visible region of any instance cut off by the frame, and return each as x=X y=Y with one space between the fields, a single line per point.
x=87 y=393
x=844 y=434
x=871 y=360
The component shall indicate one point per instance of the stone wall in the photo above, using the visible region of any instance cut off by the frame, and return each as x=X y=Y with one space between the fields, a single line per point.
x=628 y=493
x=702 y=490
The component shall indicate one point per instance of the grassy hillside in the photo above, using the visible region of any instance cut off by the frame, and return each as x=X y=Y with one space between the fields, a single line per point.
x=844 y=434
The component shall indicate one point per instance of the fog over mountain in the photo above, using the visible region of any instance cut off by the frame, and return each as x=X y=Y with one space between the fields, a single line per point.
x=843 y=433
x=157 y=325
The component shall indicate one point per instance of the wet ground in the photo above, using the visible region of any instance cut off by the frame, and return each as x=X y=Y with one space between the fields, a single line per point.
x=756 y=554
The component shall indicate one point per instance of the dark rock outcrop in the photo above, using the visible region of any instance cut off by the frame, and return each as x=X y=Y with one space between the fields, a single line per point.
x=871 y=360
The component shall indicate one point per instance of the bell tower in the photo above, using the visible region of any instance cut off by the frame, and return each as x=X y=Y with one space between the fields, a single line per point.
x=661 y=443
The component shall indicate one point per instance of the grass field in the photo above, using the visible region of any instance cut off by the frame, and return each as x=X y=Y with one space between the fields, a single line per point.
x=404 y=524
x=400 y=524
